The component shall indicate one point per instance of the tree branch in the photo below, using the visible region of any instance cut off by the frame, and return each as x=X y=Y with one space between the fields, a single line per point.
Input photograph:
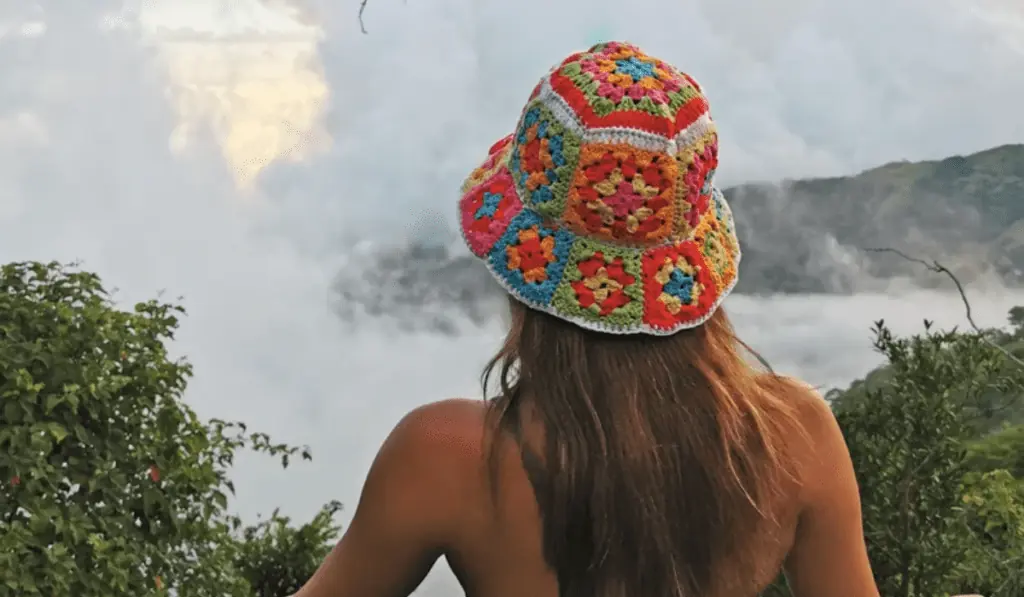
x=938 y=268
x=362 y=7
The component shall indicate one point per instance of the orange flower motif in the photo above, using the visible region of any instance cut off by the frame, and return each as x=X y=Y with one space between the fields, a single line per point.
x=535 y=155
x=623 y=52
x=622 y=194
x=651 y=83
x=531 y=255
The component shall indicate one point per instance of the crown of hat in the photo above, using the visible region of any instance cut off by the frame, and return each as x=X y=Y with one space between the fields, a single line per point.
x=618 y=146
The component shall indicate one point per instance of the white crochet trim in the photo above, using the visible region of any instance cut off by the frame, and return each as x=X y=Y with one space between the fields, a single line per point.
x=565 y=116
x=696 y=131
x=559 y=108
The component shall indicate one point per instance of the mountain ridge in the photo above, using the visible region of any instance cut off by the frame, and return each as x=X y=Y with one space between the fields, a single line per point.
x=798 y=236
x=811 y=235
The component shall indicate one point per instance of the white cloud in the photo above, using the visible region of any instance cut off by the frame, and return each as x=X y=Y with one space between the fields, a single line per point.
x=799 y=88
x=806 y=87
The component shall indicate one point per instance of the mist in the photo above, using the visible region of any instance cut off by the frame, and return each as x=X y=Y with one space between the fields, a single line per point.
x=328 y=298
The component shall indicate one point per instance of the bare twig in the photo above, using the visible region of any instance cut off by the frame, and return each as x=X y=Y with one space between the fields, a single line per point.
x=938 y=268
x=362 y=7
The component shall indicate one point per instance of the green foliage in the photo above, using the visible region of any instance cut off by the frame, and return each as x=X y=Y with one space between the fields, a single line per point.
x=907 y=440
x=277 y=559
x=1017 y=320
x=998 y=404
x=993 y=518
x=1003 y=449
x=943 y=510
x=109 y=483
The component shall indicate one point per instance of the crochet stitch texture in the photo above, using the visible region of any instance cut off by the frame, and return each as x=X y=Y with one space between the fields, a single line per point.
x=600 y=208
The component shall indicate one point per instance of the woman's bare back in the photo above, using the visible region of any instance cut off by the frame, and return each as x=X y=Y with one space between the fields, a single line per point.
x=427 y=496
x=502 y=553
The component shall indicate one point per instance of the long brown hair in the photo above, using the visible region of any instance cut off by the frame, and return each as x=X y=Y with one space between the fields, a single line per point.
x=660 y=454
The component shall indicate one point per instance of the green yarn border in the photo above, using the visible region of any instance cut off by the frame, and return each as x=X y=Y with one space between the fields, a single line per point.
x=565 y=301
x=715 y=237
x=570 y=151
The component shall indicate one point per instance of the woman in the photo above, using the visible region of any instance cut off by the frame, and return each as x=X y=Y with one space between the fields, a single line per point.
x=631 y=450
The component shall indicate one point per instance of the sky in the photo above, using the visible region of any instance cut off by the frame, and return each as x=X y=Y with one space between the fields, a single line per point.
x=122 y=148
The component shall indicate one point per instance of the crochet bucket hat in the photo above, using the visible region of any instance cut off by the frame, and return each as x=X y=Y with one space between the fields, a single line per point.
x=600 y=209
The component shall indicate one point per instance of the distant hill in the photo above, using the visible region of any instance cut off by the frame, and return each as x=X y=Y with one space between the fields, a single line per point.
x=809 y=235
x=797 y=236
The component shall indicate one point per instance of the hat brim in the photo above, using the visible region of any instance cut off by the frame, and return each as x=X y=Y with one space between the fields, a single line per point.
x=598 y=285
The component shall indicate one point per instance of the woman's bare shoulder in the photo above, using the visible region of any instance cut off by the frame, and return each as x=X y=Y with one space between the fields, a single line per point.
x=433 y=455
x=451 y=427
x=812 y=410
x=815 y=444
x=828 y=556
x=815 y=413
x=412 y=505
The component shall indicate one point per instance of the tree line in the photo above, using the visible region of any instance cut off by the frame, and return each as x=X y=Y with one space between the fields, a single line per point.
x=110 y=484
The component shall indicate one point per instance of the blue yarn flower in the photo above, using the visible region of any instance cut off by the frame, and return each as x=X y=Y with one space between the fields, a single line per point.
x=680 y=285
x=490 y=205
x=635 y=68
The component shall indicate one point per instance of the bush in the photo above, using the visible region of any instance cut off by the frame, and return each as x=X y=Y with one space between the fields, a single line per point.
x=109 y=483
x=277 y=559
x=994 y=524
x=908 y=440
x=942 y=515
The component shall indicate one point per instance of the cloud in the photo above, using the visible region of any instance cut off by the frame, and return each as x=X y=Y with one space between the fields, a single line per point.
x=86 y=171
x=803 y=88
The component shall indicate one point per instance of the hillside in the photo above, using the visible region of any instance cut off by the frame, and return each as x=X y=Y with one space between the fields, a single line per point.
x=809 y=235
x=798 y=236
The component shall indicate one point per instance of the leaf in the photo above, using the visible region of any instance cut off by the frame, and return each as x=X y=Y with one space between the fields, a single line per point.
x=12 y=412
x=52 y=402
x=58 y=432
